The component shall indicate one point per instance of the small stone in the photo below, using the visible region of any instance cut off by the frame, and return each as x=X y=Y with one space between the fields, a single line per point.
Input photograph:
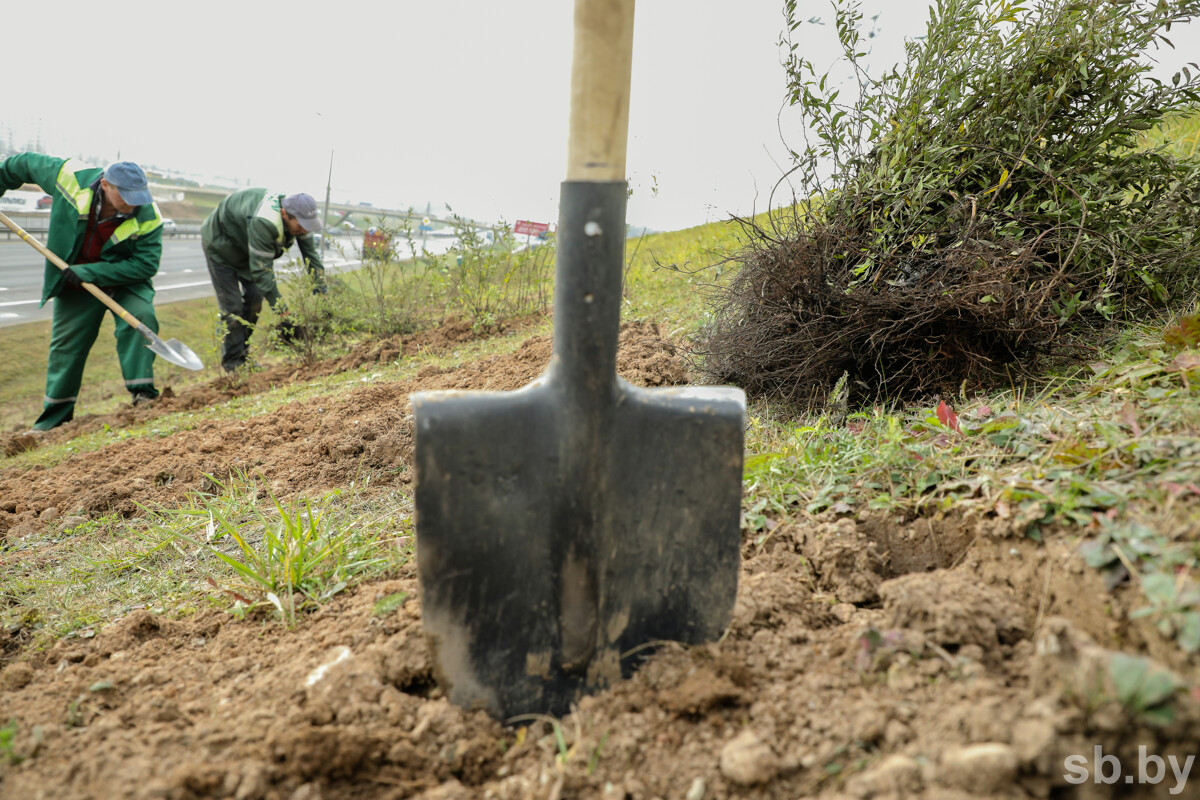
x=451 y=790
x=307 y=791
x=971 y=652
x=72 y=522
x=979 y=768
x=896 y=733
x=697 y=790
x=844 y=611
x=48 y=515
x=1034 y=741
x=747 y=760
x=896 y=775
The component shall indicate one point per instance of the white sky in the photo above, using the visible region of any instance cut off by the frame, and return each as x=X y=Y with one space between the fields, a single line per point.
x=443 y=101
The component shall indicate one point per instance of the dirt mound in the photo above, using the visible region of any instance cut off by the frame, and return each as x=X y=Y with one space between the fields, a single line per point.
x=445 y=337
x=869 y=658
x=949 y=690
x=309 y=446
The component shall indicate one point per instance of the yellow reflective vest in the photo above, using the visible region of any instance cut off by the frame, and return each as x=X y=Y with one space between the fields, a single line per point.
x=129 y=258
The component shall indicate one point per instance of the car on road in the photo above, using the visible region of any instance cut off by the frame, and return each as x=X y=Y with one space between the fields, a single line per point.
x=169 y=227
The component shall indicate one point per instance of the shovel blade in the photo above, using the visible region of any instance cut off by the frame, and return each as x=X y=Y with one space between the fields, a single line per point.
x=539 y=579
x=173 y=350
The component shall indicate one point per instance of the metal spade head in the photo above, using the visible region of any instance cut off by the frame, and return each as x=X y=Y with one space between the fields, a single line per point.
x=172 y=350
x=564 y=528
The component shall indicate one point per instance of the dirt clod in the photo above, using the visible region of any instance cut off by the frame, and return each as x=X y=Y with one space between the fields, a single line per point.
x=981 y=769
x=747 y=760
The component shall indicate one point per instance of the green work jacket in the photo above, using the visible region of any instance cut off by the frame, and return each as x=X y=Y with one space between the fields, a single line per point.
x=247 y=234
x=129 y=258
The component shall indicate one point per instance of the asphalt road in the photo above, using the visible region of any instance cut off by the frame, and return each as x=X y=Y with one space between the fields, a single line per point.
x=182 y=275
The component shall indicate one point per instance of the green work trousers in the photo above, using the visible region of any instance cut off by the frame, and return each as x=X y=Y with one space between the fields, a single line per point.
x=77 y=318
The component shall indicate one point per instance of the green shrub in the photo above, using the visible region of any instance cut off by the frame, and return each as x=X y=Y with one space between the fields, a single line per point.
x=970 y=208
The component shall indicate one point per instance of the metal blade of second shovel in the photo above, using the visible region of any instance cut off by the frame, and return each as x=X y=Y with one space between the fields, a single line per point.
x=172 y=350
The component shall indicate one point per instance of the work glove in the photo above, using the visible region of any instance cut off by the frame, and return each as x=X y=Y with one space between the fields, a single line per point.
x=70 y=278
x=289 y=331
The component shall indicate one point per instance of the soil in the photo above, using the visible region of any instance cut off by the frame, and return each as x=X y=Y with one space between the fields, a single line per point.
x=868 y=657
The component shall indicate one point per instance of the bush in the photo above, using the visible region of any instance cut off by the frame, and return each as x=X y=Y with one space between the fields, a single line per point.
x=487 y=278
x=973 y=208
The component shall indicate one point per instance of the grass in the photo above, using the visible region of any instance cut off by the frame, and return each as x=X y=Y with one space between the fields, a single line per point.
x=1180 y=134
x=220 y=548
x=1108 y=451
x=27 y=348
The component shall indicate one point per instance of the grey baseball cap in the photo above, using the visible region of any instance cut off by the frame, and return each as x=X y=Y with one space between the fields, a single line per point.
x=304 y=208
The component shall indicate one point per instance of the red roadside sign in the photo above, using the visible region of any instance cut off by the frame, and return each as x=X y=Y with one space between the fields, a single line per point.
x=531 y=228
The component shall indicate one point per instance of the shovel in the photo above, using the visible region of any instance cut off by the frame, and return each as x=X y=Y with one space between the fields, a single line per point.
x=172 y=350
x=567 y=528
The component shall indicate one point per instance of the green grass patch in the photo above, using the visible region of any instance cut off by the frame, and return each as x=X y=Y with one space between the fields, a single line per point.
x=27 y=347
x=226 y=548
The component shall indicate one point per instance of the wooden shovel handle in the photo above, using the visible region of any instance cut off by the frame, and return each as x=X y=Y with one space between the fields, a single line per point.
x=600 y=75
x=113 y=305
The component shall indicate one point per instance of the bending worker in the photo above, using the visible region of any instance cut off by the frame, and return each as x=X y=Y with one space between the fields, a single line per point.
x=242 y=238
x=103 y=223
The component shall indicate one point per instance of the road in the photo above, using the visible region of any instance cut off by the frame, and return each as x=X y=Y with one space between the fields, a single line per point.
x=182 y=275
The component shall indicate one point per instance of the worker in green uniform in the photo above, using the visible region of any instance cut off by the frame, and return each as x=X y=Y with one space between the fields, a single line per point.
x=241 y=239
x=106 y=226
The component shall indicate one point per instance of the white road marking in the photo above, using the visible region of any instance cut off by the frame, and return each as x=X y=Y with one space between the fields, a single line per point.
x=183 y=285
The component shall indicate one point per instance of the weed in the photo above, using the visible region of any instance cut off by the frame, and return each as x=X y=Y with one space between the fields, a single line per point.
x=1143 y=688
x=389 y=603
x=1175 y=604
x=8 y=743
x=289 y=559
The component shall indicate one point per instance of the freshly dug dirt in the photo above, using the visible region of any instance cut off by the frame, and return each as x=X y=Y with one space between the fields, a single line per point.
x=868 y=657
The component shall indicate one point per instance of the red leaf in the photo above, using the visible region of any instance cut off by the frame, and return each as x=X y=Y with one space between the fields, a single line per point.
x=1129 y=417
x=1186 y=361
x=947 y=417
x=1185 y=334
x=983 y=412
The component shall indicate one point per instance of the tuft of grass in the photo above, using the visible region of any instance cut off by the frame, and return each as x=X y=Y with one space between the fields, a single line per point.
x=70 y=583
x=292 y=556
x=389 y=603
x=8 y=743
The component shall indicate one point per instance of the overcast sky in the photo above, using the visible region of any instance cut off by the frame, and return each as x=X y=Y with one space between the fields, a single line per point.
x=444 y=101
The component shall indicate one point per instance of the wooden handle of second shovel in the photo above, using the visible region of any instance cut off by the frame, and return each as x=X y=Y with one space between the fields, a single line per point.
x=600 y=76
x=54 y=259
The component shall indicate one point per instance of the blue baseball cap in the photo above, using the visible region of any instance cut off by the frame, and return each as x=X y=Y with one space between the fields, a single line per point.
x=130 y=182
